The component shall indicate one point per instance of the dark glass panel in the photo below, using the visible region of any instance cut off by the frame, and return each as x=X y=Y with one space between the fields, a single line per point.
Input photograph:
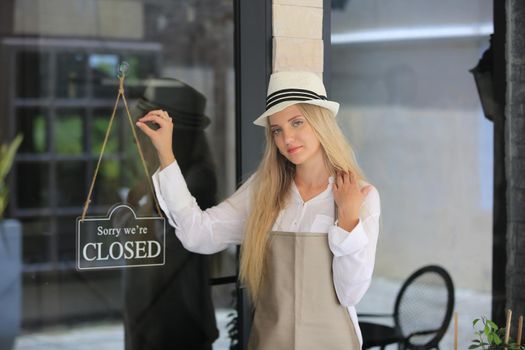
x=141 y=67
x=33 y=185
x=71 y=75
x=31 y=123
x=223 y=263
x=103 y=69
x=36 y=233
x=70 y=183
x=69 y=131
x=66 y=238
x=107 y=186
x=99 y=125
x=32 y=74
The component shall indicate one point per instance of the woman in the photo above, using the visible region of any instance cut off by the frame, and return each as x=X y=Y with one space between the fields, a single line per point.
x=307 y=221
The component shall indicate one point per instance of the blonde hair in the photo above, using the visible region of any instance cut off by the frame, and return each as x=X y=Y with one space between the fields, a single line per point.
x=271 y=186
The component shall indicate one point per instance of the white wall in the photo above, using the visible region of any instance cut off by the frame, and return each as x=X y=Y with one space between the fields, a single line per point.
x=411 y=110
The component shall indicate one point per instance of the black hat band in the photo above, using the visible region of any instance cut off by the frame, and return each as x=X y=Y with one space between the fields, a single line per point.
x=291 y=95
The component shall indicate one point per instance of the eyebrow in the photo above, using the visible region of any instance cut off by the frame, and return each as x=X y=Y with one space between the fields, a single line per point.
x=292 y=118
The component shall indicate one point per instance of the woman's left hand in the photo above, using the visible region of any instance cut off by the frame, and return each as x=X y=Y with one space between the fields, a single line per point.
x=348 y=196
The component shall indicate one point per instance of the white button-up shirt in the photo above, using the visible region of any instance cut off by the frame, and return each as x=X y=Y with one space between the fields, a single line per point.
x=212 y=230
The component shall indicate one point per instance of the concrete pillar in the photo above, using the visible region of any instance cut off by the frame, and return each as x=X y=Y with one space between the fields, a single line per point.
x=515 y=157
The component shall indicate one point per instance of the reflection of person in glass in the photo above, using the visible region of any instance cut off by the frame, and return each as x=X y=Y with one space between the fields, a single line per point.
x=307 y=221
x=170 y=306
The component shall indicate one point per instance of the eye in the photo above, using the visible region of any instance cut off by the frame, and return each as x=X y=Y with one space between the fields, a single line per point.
x=276 y=131
x=297 y=122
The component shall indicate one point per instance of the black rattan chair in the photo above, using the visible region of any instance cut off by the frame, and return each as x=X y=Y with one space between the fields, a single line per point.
x=422 y=313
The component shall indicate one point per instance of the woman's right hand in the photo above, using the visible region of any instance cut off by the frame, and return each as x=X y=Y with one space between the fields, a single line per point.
x=162 y=137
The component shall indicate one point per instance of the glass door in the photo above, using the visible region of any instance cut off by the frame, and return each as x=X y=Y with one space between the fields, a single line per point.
x=58 y=89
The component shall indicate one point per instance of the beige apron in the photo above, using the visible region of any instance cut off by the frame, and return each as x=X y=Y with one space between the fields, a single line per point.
x=297 y=306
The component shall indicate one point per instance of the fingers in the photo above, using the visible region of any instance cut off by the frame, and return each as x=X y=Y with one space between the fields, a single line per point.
x=338 y=180
x=163 y=114
x=158 y=118
x=345 y=177
x=159 y=112
x=366 y=189
x=146 y=129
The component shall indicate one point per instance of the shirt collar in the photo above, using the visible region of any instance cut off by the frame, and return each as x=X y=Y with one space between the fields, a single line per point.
x=296 y=196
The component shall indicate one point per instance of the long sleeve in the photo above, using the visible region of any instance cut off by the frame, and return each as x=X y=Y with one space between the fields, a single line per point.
x=204 y=232
x=354 y=252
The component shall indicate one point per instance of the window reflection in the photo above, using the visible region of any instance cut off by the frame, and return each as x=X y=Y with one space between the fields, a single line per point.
x=62 y=60
x=33 y=185
x=99 y=125
x=108 y=184
x=69 y=131
x=66 y=238
x=71 y=75
x=410 y=108
x=36 y=240
x=32 y=74
x=72 y=183
x=184 y=279
x=103 y=70
x=32 y=123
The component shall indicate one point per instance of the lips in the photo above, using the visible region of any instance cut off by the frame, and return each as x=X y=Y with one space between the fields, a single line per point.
x=293 y=149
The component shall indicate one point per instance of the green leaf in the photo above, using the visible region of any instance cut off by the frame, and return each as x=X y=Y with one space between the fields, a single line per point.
x=497 y=339
x=475 y=321
x=474 y=346
x=3 y=203
x=486 y=330
x=7 y=155
x=492 y=324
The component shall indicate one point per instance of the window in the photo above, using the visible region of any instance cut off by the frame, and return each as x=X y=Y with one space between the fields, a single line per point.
x=61 y=60
x=410 y=108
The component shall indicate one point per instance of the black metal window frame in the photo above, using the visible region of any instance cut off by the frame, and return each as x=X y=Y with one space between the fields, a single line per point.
x=51 y=104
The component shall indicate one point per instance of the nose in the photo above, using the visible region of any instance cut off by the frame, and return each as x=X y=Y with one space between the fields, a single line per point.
x=288 y=136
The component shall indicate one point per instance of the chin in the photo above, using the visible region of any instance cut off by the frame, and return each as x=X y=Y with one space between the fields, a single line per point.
x=295 y=161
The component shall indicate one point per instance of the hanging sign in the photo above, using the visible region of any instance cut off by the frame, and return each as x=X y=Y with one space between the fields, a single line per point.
x=121 y=239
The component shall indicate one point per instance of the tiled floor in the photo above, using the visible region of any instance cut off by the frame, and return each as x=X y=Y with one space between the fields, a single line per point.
x=100 y=336
x=379 y=298
x=96 y=336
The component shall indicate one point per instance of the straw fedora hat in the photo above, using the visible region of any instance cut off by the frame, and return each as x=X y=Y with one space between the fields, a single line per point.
x=289 y=88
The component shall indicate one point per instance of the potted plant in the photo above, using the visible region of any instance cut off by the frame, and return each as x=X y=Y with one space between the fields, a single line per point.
x=491 y=337
x=10 y=256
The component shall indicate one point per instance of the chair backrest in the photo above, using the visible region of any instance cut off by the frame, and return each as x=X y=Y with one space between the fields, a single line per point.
x=425 y=304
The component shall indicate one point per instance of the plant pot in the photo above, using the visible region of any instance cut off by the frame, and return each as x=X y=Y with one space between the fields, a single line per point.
x=10 y=282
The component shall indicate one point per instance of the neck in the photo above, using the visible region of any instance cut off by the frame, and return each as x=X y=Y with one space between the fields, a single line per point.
x=308 y=176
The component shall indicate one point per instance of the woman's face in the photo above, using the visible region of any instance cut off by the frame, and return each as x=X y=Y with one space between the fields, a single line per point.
x=294 y=137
